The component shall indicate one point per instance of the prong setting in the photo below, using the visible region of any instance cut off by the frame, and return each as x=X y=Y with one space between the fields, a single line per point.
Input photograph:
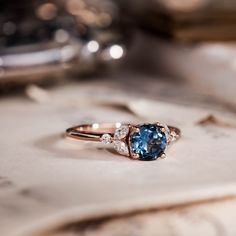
x=166 y=130
x=135 y=130
x=147 y=141
x=163 y=156
x=135 y=156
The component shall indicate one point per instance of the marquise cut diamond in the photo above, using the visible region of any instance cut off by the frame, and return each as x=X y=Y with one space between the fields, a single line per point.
x=121 y=132
x=121 y=147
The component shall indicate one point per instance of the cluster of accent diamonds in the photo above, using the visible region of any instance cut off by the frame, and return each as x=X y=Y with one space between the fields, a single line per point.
x=118 y=139
x=119 y=136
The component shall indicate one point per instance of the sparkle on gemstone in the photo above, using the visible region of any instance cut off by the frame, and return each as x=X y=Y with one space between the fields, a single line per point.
x=106 y=138
x=149 y=143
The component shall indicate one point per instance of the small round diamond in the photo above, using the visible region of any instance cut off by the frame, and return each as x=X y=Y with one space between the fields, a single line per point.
x=106 y=138
x=121 y=147
x=121 y=132
x=150 y=143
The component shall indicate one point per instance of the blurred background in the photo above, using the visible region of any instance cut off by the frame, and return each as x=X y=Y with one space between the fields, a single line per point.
x=185 y=47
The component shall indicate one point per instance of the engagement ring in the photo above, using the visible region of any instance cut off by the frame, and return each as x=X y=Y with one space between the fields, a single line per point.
x=142 y=142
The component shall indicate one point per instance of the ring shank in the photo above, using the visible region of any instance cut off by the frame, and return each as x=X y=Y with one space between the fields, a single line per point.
x=94 y=132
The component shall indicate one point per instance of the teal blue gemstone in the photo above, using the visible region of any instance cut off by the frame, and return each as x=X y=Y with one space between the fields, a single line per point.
x=149 y=143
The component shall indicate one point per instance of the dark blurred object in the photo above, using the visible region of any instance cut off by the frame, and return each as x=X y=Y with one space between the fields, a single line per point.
x=39 y=38
x=187 y=20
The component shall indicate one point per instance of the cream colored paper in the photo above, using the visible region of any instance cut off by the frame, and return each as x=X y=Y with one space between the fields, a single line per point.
x=47 y=181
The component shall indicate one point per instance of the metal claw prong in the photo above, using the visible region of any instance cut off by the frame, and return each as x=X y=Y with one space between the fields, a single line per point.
x=163 y=129
x=163 y=156
x=134 y=156
x=136 y=130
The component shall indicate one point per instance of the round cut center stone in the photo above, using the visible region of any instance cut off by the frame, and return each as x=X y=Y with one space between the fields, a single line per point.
x=149 y=143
